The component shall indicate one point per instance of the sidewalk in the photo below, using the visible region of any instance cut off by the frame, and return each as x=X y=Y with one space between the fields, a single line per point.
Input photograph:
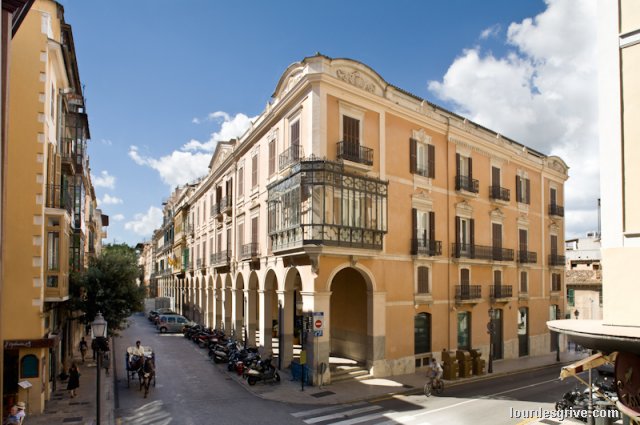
x=371 y=389
x=62 y=409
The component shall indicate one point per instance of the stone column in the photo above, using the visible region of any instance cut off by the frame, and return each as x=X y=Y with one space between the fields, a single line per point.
x=237 y=317
x=285 y=301
x=376 y=312
x=250 y=316
x=266 y=325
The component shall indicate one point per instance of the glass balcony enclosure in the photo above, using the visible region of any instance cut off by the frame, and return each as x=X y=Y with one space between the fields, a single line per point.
x=319 y=203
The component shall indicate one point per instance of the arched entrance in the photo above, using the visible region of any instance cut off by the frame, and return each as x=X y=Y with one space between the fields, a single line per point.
x=252 y=316
x=349 y=313
x=422 y=333
x=217 y=295
x=210 y=295
x=238 y=307
x=290 y=318
x=228 y=288
x=269 y=313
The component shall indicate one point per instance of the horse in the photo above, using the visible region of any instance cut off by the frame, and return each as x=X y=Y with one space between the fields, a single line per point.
x=134 y=366
x=146 y=374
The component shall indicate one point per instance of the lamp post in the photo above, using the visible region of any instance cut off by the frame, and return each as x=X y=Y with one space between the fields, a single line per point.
x=490 y=331
x=99 y=333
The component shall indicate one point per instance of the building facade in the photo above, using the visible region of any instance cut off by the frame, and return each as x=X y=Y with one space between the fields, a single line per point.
x=393 y=226
x=583 y=278
x=52 y=222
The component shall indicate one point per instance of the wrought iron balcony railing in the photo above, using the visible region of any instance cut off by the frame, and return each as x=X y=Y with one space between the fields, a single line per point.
x=501 y=291
x=422 y=246
x=249 y=250
x=499 y=193
x=556 y=260
x=199 y=263
x=468 y=292
x=527 y=257
x=290 y=156
x=59 y=197
x=467 y=183
x=481 y=252
x=225 y=204
x=355 y=152
x=221 y=258
x=557 y=210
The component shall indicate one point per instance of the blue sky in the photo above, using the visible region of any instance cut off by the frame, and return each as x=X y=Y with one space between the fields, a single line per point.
x=165 y=80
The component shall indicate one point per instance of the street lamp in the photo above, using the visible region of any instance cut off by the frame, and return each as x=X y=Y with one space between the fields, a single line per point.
x=490 y=331
x=99 y=333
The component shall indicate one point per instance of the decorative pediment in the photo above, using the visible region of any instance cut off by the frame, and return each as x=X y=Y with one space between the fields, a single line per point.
x=421 y=136
x=553 y=227
x=356 y=78
x=464 y=209
x=496 y=215
x=223 y=150
x=523 y=220
x=421 y=199
x=557 y=164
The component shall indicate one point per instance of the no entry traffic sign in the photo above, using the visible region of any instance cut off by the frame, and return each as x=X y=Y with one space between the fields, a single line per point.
x=318 y=323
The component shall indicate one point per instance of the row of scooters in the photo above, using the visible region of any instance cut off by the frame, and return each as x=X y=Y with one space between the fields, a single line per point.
x=603 y=393
x=245 y=361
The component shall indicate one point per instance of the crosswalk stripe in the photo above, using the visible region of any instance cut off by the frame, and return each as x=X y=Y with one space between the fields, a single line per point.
x=360 y=419
x=342 y=414
x=325 y=409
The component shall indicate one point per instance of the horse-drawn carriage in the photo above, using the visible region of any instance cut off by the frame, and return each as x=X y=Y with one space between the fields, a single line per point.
x=142 y=366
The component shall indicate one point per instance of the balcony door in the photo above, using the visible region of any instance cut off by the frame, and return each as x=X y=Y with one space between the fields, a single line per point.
x=496 y=230
x=523 y=331
x=464 y=238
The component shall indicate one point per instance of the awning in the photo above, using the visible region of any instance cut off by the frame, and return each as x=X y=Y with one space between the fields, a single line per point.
x=586 y=364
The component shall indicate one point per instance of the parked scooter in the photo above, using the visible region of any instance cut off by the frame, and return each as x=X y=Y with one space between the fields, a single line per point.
x=264 y=371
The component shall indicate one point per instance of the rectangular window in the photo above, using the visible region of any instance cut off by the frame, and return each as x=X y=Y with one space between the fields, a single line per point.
x=254 y=230
x=52 y=106
x=422 y=157
x=523 y=190
x=524 y=284
x=240 y=182
x=53 y=251
x=495 y=176
x=350 y=130
x=556 y=283
x=423 y=280
x=272 y=157
x=240 y=236
x=571 y=297
x=254 y=171
x=553 y=196
x=464 y=330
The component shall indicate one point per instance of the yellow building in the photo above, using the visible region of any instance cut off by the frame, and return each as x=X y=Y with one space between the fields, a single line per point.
x=50 y=213
x=389 y=223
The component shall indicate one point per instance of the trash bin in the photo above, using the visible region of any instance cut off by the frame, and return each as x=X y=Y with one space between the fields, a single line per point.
x=464 y=363
x=477 y=363
x=450 y=367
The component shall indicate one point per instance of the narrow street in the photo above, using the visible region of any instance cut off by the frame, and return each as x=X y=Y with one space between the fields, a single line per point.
x=190 y=389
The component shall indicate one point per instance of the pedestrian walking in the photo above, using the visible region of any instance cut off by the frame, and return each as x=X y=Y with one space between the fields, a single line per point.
x=74 y=380
x=94 y=348
x=12 y=419
x=83 y=348
x=21 y=405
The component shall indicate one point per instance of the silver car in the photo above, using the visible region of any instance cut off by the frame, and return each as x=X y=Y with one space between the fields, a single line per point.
x=171 y=323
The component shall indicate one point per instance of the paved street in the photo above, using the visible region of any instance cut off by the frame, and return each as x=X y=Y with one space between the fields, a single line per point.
x=192 y=390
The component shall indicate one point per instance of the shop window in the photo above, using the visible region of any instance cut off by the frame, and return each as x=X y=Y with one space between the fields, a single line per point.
x=29 y=366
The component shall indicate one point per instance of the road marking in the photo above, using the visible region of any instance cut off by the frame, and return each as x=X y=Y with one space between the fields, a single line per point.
x=428 y=412
x=324 y=409
x=342 y=414
x=360 y=419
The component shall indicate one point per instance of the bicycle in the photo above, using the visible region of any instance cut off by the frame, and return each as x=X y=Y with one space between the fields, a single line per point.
x=433 y=385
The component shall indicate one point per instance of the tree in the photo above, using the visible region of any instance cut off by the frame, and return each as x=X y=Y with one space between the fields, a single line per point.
x=109 y=286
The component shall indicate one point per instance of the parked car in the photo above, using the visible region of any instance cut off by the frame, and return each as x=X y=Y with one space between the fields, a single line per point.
x=153 y=314
x=172 y=323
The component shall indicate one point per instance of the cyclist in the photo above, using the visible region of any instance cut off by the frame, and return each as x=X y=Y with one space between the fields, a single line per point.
x=435 y=378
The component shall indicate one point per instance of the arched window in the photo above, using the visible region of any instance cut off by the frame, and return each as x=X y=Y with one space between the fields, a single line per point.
x=29 y=366
x=422 y=333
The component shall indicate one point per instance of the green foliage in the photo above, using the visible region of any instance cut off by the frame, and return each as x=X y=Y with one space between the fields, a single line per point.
x=109 y=286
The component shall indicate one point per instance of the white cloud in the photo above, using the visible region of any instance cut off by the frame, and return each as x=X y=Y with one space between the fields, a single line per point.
x=144 y=224
x=110 y=200
x=543 y=93
x=492 y=31
x=104 y=180
x=195 y=120
x=191 y=161
x=117 y=217
x=106 y=142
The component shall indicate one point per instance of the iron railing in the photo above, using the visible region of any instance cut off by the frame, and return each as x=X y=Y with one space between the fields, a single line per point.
x=249 y=250
x=501 y=291
x=221 y=258
x=421 y=246
x=290 y=156
x=481 y=252
x=557 y=210
x=499 y=193
x=527 y=256
x=468 y=292
x=59 y=197
x=556 y=260
x=467 y=183
x=354 y=152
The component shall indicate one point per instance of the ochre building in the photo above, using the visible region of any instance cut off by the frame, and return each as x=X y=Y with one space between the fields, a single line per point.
x=367 y=223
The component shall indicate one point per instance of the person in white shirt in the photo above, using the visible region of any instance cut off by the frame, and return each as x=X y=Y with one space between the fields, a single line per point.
x=138 y=350
x=436 y=369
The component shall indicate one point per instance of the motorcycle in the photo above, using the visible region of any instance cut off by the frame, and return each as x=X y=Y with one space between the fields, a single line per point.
x=264 y=371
